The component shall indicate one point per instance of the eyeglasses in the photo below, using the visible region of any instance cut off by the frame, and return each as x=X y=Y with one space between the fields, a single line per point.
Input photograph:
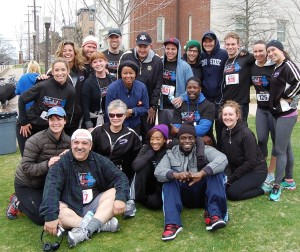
x=192 y=51
x=118 y=115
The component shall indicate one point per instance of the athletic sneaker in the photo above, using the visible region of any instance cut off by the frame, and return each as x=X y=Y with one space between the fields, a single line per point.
x=288 y=185
x=206 y=217
x=77 y=235
x=170 y=232
x=270 y=178
x=130 y=209
x=266 y=187
x=12 y=210
x=275 y=193
x=111 y=226
x=215 y=223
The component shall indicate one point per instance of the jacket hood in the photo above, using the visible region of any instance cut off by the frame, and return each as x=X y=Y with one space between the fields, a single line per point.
x=201 y=98
x=211 y=34
x=176 y=42
x=149 y=57
x=239 y=126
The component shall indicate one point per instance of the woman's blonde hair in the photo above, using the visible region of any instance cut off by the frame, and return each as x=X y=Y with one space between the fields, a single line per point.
x=235 y=106
x=78 y=58
x=33 y=67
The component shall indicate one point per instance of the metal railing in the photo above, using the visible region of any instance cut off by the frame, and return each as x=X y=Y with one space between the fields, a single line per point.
x=3 y=67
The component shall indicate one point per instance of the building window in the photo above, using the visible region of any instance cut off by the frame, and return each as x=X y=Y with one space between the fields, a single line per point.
x=281 y=30
x=160 y=29
x=91 y=17
x=240 y=27
x=91 y=31
x=190 y=27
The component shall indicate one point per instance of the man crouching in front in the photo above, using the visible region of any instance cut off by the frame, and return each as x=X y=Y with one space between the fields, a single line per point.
x=83 y=191
x=186 y=184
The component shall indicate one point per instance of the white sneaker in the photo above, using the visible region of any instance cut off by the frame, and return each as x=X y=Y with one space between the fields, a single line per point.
x=77 y=235
x=111 y=226
x=130 y=209
x=270 y=178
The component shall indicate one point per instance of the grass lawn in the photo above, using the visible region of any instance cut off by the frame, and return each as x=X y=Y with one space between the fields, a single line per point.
x=254 y=225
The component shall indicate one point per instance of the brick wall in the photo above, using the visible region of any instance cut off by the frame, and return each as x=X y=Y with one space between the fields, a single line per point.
x=144 y=19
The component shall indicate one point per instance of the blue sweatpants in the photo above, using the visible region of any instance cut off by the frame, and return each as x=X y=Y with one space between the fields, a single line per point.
x=208 y=193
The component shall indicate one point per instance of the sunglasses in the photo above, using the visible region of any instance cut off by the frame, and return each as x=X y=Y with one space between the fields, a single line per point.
x=118 y=115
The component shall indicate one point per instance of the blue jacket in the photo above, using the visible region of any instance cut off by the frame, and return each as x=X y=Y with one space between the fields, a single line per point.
x=135 y=99
x=183 y=73
x=201 y=113
x=213 y=67
x=25 y=82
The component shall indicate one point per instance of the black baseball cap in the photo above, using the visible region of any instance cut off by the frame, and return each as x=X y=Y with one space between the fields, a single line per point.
x=114 y=31
x=143 y=38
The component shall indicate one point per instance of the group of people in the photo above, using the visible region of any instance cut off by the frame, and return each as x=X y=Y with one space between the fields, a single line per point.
x=91 y=146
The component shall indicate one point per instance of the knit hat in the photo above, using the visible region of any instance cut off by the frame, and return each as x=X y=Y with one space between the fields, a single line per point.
x=187 y=127
x=193 y=43
x=143 y=38
x=90 y=40
x=82 y=134
x=174 y=41
x=128 y=63
x=276 y=44
x=56 y=111
x=162 y=128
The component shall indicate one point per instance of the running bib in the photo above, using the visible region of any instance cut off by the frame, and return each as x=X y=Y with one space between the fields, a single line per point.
x=232 y=79
x=262 y=97
x=167 y=90
x=87 y=196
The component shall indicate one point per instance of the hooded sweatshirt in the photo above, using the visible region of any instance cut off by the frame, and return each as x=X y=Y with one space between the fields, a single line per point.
x=183 y=72
x=25 y=82
x=213 y=68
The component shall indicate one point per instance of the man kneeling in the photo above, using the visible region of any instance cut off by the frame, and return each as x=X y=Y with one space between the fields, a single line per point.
x=81 y=183
x=185 y=184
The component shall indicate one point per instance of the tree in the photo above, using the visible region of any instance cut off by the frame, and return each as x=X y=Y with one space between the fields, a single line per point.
x=249 y=18
x=6 y=50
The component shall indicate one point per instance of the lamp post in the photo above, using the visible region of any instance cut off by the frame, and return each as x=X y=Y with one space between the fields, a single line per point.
x=47 y=22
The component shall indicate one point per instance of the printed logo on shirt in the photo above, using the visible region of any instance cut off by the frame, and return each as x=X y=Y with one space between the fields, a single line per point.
x=86 y=180
x=212 y=62
x=260 y=81
x=103 y=91
x=123 y=141
x=51 y=102
x=169 y=75
x=190 y=116
x=233 y=67
x=113 y=64
x=149 y=68
x=276 y=74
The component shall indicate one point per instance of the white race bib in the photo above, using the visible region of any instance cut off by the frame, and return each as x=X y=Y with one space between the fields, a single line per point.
x=167 y=90
x=262 y=97
x=232 y=79
x=87 y=196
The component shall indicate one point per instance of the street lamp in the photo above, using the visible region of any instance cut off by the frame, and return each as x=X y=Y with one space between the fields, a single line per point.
x=47 y=22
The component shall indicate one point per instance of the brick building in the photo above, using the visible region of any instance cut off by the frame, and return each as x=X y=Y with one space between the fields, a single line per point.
x=184 y=19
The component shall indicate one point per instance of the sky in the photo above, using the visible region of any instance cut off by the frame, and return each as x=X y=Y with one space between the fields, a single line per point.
x=14 y=18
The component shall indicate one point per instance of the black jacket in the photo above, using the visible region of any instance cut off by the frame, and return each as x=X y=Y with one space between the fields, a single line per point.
x=46 y=94
x=150 y=73
x=122 y=152
x=243 y=154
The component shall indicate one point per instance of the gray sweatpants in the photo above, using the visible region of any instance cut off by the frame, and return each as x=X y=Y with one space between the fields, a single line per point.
x=283 y=149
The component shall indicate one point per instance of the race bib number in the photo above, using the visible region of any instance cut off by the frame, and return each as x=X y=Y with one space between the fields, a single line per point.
x=87 y=196
x=44 y=115
x=167 y=90
x=232 y=79
x=262 y=97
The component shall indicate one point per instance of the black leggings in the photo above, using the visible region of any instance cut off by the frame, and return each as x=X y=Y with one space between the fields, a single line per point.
x=30 y=201
x=246 y=187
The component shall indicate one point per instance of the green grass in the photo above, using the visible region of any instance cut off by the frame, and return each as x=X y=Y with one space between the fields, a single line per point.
x=255 y=225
